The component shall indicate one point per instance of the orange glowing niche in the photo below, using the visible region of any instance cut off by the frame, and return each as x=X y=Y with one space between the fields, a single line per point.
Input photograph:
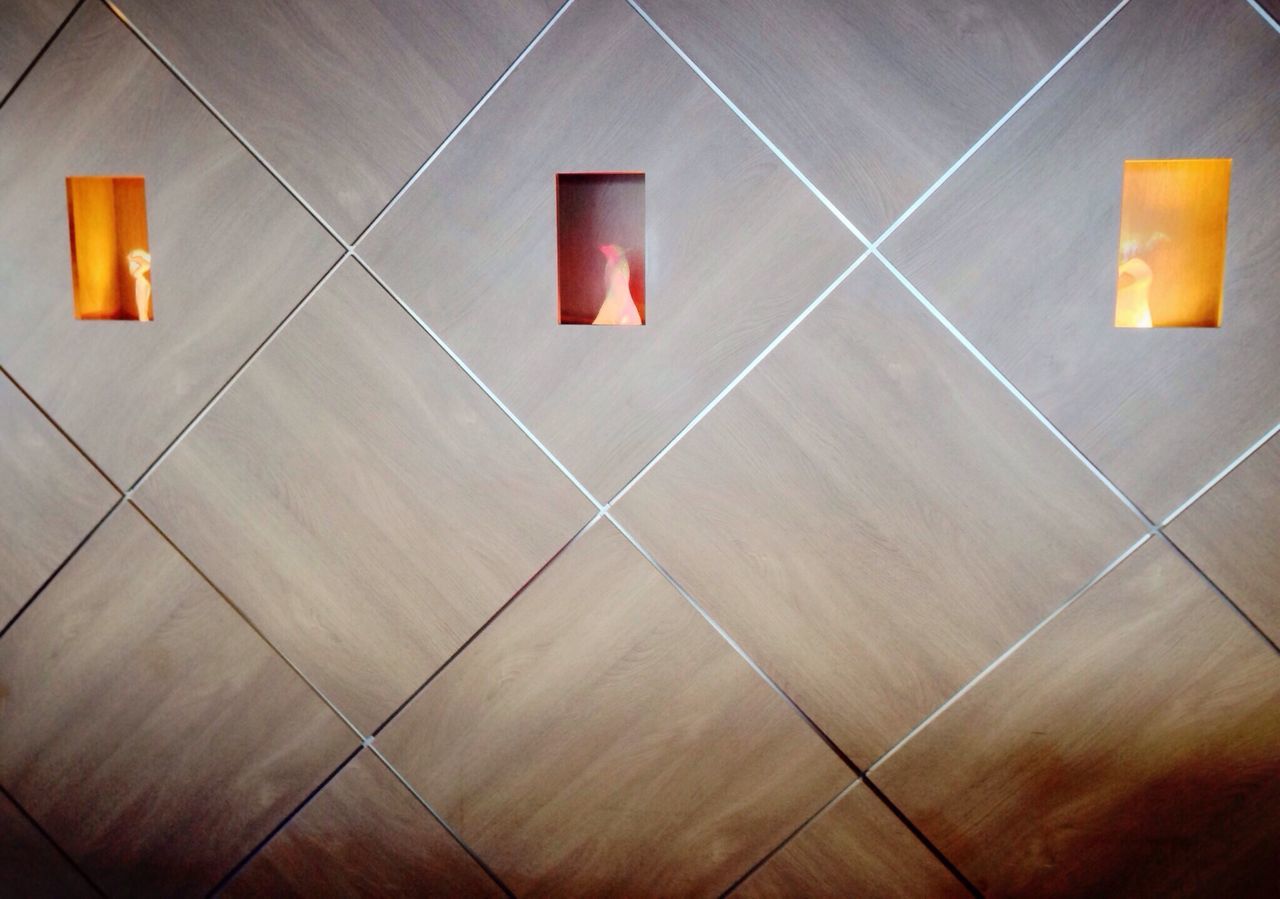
x=1173 y=243
x=110 y=262
x=600 y=248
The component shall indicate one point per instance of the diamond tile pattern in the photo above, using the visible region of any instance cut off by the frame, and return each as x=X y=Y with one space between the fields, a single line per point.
x=1142 y=726
x=345 y=100
x=863 y=625
x=735 y=246
x=1018 y=248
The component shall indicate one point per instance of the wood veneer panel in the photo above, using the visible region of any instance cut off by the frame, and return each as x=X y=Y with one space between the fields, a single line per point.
x=601 y=739
x=735 y=246
x=146 y=727
x=364 y=834
x=232 y=251
x=1130 y=748
x=363 y=502
x=873 y=101
x=30 y=865
x=872 y=516
x=855 y=848
x=50 y=498
x=25 y=25
x=1018 y=249
x=1233 y=534
x=344 y=99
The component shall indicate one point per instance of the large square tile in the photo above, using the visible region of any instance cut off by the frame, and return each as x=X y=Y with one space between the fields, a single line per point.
x=873 y=516
x=601 y=739
x=30 y=862
x=857 y=847
x=1018 y=249
x=344 y=99
x=25 y=25
x=1233 y=534
x=873 y=101
x=1130 y=748
x=50 y=498
x=232 y=252
x=735 y=247
x=146 y=727
x=363 y=502
x=364 y=834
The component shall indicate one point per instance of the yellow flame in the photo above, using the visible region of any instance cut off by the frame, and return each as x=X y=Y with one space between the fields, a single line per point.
x=140 y=270
x=619 y=308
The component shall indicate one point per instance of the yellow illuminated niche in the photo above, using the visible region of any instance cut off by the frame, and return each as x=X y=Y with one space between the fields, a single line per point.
x=1173 y=243
x=110 y=262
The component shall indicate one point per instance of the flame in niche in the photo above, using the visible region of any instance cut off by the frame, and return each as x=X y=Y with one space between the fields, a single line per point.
x=619 y=308
x=140 y=270
x=1134 y=279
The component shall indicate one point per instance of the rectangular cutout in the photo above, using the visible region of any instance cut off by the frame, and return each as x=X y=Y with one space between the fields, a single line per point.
x=600 y=248
x=1173 y=243
x=110 y=260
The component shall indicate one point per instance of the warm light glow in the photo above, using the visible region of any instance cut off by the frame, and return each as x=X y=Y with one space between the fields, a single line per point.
x=1173 y=235
x=618 y=308
x=110 y=262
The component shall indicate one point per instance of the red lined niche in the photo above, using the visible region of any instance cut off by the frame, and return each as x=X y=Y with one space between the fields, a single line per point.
x=600 y=248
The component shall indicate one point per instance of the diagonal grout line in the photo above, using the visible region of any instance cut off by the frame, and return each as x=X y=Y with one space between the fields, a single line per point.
x=1213 y=482
x=467 y=118
x=782 y=157
x=442 y=822
x=1000 y=123
x=227 y=878
x=224 y=121
x=1220 y=592
x=1008 y=385
x=40 y=54
x=1266 y=16
x=769 y=348
x=715 y=625
x=1010 y=650
x=476 y=379
x=52 y=842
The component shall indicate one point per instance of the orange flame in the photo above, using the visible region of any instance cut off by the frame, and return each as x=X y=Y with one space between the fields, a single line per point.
x=619 y=307
x=110 y=265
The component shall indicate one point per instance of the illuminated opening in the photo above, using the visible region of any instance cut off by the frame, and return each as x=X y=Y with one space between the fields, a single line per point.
x=600 y=248
x=1173 y=243
x=110 y=262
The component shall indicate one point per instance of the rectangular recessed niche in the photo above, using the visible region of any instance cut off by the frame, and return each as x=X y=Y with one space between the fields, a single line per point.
x=110 y=262
x=1173 y=243
x=600 y=248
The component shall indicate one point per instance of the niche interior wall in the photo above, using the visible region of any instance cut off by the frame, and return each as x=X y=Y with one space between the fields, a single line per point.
x=656 y=448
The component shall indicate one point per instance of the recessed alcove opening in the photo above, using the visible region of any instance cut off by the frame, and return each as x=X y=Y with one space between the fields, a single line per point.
x=110 y=259
x=600 y=248
x=1173 y=243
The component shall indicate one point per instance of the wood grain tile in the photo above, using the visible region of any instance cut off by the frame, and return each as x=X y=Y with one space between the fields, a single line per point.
x=1232 y=533
x=874 y=101
x=600 y=739
x=31 y=866
x=232 y=252
x=1018 y=249
x=1128 y=749
x=25 y=26
x=735 y=246
x=363 y=502
x=364 y=834
x=345 y=99
x=873 y=517
x=146 y=727
x=50 y=498
x=857 y=847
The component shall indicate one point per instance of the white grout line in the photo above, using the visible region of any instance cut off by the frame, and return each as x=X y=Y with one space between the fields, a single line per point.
x=981 y=675
x=738 y=379
x=1000 y=123
x=999 y=376
x=1265 y=15
x=1222 y=474
x=476 y=379
x=119 y=13
x=457 y=128
x=752 y=125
